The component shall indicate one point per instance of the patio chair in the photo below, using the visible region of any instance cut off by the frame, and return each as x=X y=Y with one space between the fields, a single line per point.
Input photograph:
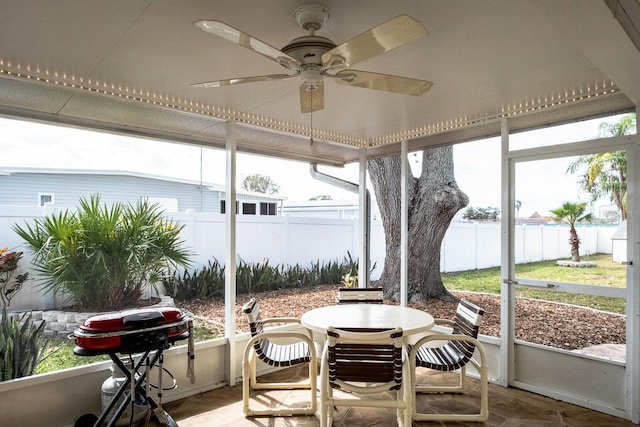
x=451 y=352
x=277 y=349
x=360 y=295
x=364 y=362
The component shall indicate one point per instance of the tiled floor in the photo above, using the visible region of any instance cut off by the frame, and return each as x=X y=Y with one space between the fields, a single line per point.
x=508 y=407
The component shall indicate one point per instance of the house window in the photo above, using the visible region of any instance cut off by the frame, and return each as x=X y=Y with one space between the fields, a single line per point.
x=223 y=206
x=45 y=199
x=249 y=208
x=267 y=208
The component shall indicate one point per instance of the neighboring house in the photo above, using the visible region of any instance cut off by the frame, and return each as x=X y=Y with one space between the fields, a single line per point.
x=335 y=209
x=343 y=209
x=534 y=219
x=64 y=187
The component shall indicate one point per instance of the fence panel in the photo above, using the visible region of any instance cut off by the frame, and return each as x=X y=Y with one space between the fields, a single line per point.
x=286 y=240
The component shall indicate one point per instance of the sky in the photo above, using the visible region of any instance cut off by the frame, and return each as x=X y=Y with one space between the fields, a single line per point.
x=477 y=164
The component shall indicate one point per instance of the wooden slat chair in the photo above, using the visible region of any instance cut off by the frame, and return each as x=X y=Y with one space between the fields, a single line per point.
x=364 y=362
x=360 y=295
x=278 y=349
x=457 y=350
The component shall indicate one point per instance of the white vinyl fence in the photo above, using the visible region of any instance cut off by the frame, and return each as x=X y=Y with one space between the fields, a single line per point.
x=290 y=240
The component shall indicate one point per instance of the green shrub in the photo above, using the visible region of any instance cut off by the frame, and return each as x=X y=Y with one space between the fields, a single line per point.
x=22 y=344
x=103 y=256
x=208 y=281
x=204 y=283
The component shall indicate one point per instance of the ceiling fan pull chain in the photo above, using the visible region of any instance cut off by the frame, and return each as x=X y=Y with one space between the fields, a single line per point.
x=311 y=139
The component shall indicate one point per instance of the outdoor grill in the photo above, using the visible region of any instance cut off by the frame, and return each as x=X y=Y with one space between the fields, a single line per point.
x=146 y=332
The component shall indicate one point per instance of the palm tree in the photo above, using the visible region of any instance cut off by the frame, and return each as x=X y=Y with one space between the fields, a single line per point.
x=102 y=256
x=572 y=213
x=518 y=205
x=605 y=174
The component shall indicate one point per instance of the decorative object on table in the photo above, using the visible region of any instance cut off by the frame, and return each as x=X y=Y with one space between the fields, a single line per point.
x=366 y=362
x=263 y=346
x=349 y=280
x=455 y=352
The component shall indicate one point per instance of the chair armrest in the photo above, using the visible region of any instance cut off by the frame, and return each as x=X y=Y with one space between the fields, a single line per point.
x=280 y=320
x=283 y=321
x=444 y=322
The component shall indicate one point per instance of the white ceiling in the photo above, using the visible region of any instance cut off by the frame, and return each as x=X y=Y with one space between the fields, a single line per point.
x=127 y=66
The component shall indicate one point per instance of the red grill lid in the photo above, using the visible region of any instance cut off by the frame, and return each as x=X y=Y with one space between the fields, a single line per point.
x=131 y=319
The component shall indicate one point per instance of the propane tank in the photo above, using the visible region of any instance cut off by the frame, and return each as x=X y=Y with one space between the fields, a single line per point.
x=109 y=388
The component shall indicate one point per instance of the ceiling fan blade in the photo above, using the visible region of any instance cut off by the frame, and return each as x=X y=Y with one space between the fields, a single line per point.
x=238 y=80
x=386 y=36
x=236 y=36
x=311 y=101
x=386 y=82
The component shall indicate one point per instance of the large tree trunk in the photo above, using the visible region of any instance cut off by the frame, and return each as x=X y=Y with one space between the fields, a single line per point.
x=433 y=200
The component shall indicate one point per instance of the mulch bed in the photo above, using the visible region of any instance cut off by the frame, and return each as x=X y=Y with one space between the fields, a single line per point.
x=548 y=323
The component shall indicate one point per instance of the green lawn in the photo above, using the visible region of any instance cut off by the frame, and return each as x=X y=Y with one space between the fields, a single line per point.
x=60 y=355
x=606 y=273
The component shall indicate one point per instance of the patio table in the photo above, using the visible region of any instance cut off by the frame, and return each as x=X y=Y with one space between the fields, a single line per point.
x=354 y=316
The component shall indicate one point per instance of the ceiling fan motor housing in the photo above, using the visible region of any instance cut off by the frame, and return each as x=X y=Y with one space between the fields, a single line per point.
x=309 y=49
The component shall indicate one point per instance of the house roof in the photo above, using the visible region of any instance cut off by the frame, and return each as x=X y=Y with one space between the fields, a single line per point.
x=128 y=68
x=68 y=171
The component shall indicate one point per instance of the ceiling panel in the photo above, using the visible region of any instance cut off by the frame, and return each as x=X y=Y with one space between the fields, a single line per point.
x=127 y=66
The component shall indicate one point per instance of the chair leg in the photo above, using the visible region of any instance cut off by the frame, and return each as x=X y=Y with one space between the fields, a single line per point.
x=325 y=404
x=483 y=415
x=407 y=394
x=250 y=382
x=484 y=392
x=246 y=380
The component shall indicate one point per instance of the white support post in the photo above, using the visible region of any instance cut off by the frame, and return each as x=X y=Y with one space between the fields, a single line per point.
x=404 y=224
x=507 y=269
x=364 y=217
x=632 y=371
x=230 y=246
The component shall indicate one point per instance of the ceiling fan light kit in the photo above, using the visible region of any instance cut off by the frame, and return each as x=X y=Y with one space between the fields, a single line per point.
x=312 y=57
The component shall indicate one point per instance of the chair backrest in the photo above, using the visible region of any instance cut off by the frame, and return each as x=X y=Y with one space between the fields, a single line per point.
x=252 y=310
x=261 y=346
x=468 y=319
x=269 y=351
x=365 y=356
x=454 y=354
x=360 y=295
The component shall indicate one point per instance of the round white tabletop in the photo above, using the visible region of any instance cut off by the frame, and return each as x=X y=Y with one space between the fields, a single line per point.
x=381 y=316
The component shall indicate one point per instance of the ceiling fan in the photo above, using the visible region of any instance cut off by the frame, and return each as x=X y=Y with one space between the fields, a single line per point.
x=313 y=58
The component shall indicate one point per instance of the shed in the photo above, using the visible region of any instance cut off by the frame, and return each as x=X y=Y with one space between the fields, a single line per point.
x=619 y=243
